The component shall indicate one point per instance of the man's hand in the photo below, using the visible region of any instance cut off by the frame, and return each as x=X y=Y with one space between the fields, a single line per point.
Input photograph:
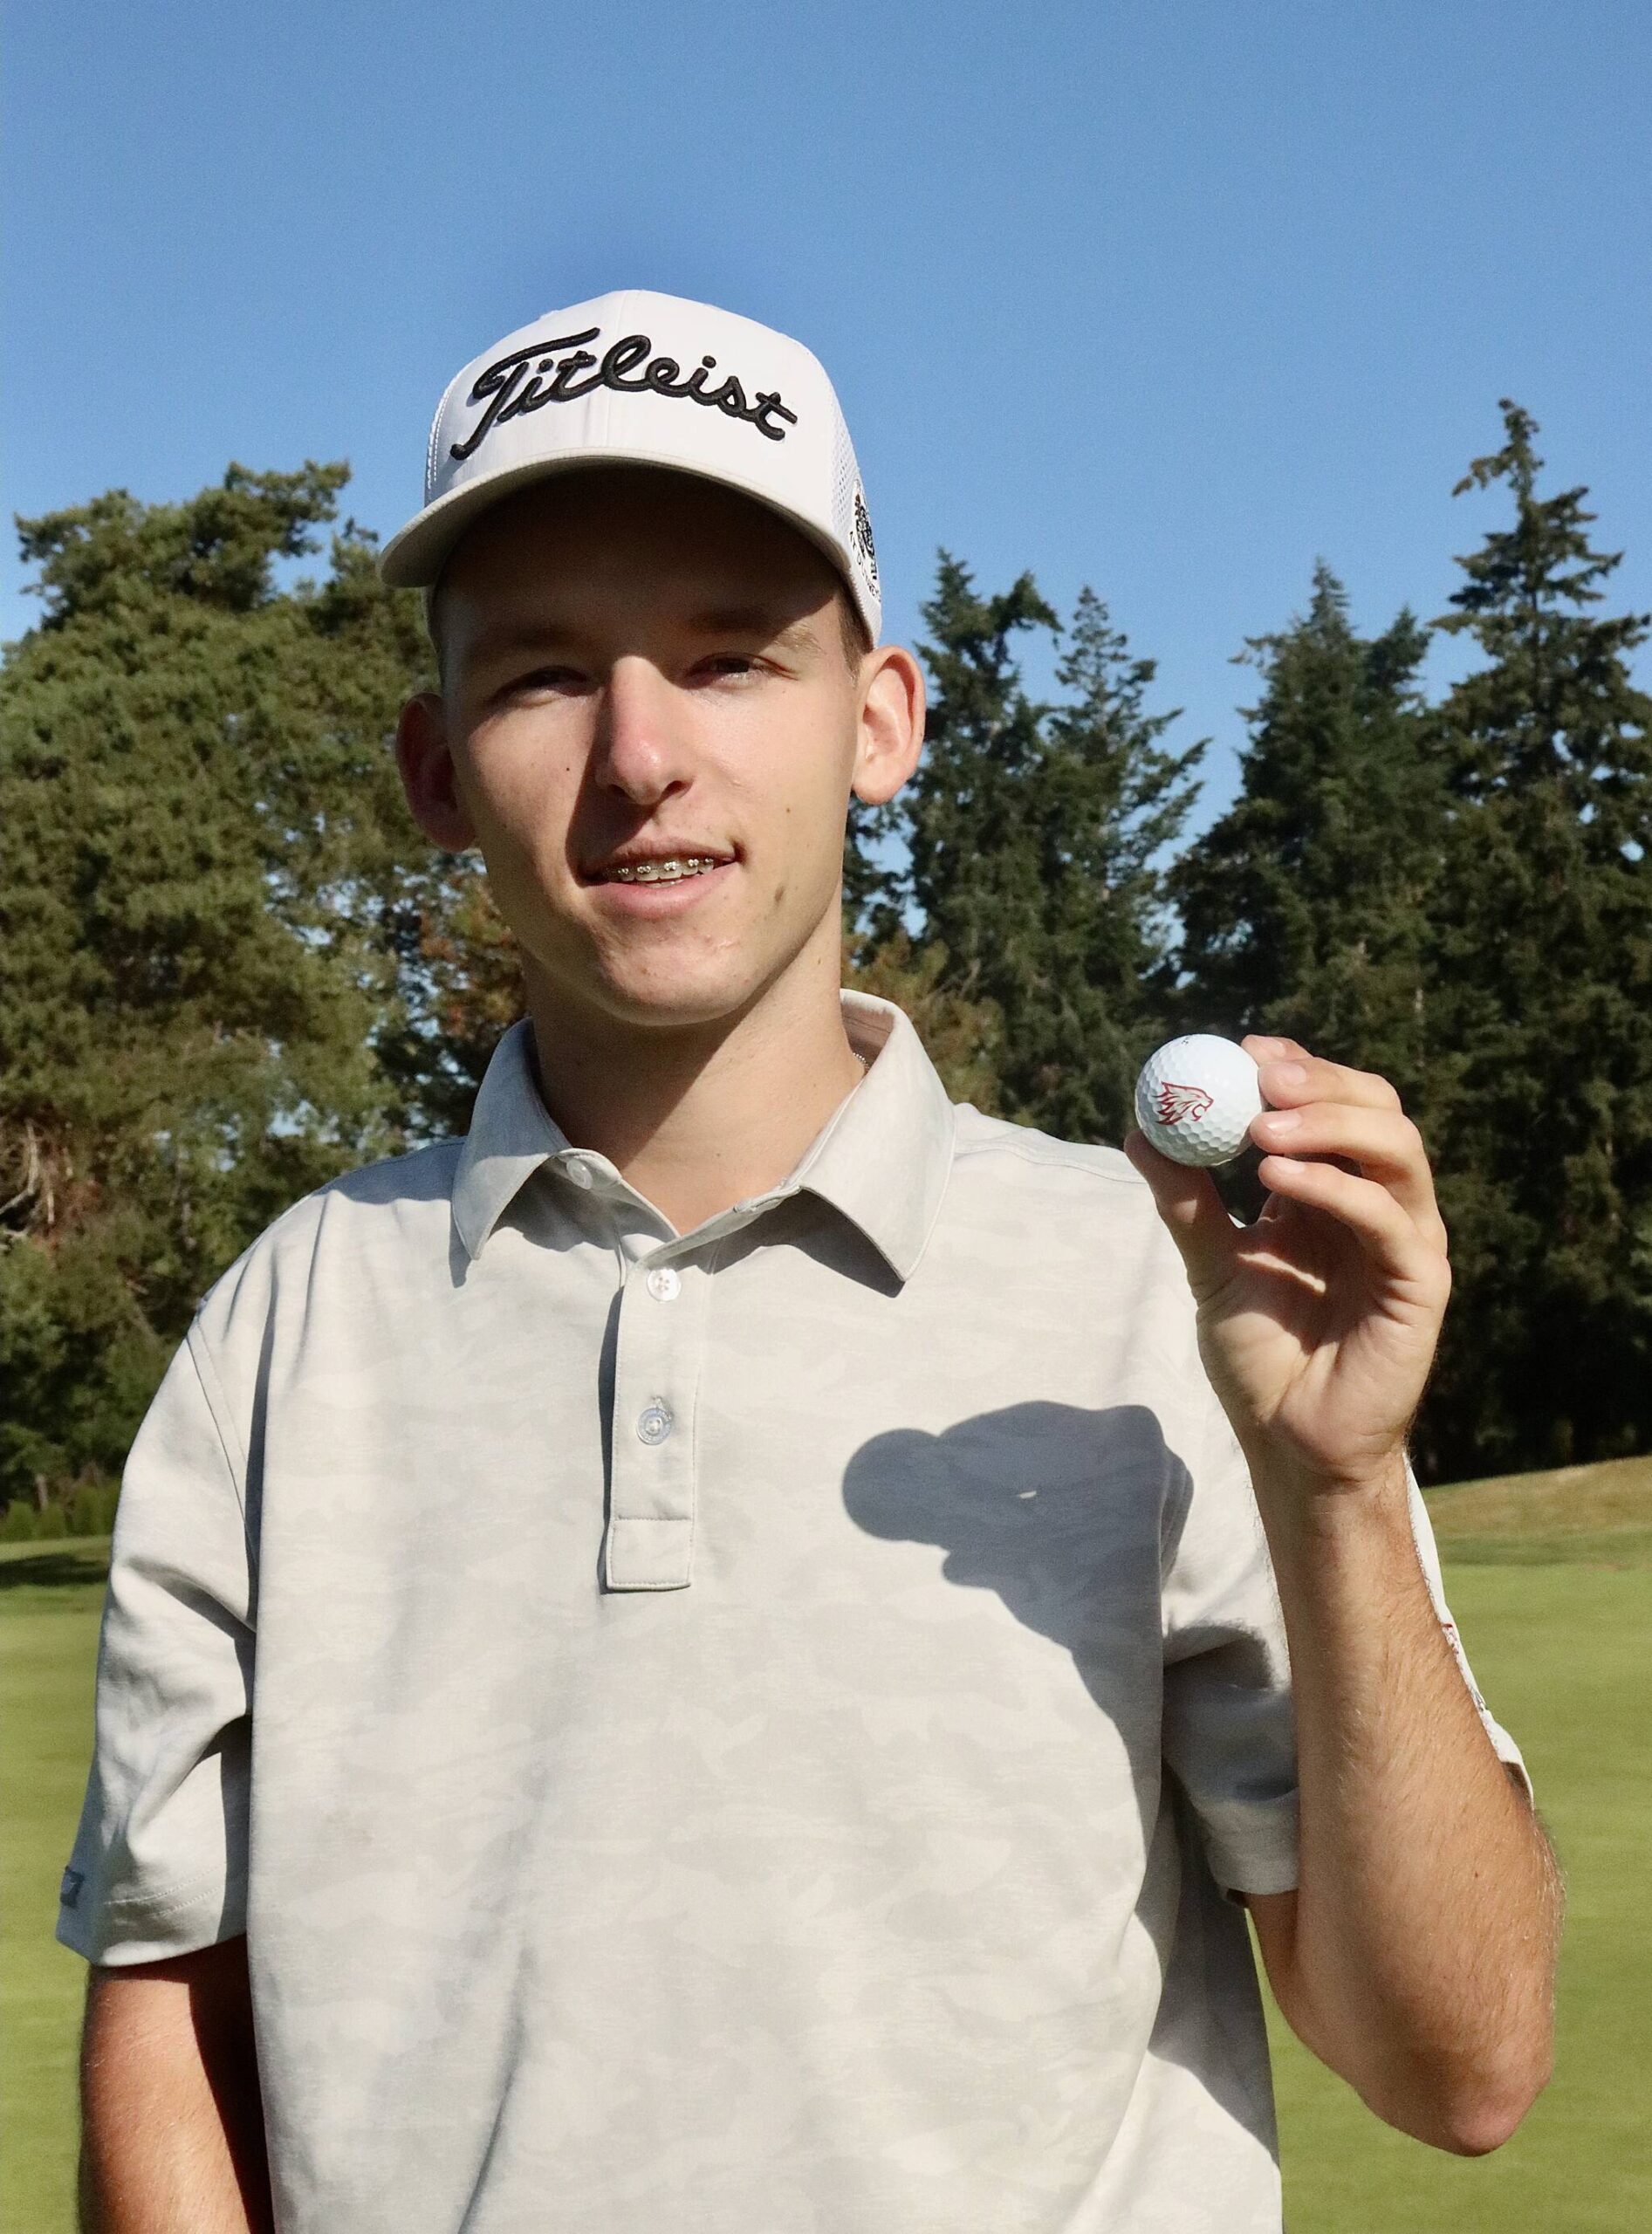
x=1318 y=1324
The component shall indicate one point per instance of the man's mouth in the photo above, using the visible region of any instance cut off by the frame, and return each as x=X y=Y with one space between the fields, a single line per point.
x=670 y=870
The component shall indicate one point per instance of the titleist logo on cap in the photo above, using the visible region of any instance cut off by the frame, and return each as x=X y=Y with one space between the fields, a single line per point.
x=515 y=385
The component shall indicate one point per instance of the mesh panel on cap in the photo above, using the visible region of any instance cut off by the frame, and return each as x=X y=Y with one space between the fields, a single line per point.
x=844 y=475
x=436 y=429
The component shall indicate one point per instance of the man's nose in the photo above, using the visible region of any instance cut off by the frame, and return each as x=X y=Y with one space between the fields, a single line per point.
x=641 y=749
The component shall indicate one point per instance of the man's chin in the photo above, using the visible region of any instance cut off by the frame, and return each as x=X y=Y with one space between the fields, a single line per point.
x=674 y=1016
x=664 y=985
x=680 y=1002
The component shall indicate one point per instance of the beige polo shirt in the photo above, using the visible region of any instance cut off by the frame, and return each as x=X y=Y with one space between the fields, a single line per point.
x=740 y=1732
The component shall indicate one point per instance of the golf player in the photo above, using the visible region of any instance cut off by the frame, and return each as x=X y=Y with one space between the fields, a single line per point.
x=728 y=1654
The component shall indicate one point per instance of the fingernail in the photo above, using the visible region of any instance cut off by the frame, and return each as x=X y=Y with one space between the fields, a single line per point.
x=1276 y=1123
x=1271 y=1046
x=1290 y=1073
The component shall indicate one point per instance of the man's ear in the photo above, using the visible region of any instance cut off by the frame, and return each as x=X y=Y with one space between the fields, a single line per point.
x=428 y=776
x=892 y=704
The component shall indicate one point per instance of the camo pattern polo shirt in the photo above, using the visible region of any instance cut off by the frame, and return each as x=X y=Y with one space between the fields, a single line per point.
x=757 y=1731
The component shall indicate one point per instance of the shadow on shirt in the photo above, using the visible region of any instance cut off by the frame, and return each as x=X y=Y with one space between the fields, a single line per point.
x=1075 y=1518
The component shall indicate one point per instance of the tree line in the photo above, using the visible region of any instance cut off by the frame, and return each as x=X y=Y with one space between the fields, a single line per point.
x=232 y=968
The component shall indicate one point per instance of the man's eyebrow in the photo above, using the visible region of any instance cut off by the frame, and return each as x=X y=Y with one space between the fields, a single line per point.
x=752 y=621
x=503 y=639
x=496 y=637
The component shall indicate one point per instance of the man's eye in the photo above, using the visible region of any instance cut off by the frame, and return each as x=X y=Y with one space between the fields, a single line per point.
x=549 y=678
x=728 y=663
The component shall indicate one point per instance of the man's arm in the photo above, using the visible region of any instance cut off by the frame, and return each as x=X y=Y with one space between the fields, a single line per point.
x=1416 y=1956
x=172 y=2123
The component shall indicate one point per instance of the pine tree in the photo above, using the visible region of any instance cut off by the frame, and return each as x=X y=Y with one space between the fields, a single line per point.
x=1114 y=801
x=867 y=875
x=964 y=818
x=201 y=830
x=1304 y=906
x=1545 y=956
x=963 y=1038
x=1033 y=831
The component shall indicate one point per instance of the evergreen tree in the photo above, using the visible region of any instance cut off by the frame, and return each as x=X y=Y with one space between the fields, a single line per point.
x=460 y=980
x=1032 y=830
x=866 y=870
x=1546 y=957
x=964 y=1039
x=963 y=815
x=200 y=828
x=1304 y=906
x=1115 y=802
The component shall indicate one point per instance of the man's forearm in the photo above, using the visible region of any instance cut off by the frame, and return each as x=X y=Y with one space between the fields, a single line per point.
x=1428 y=1903
x=172 y=2126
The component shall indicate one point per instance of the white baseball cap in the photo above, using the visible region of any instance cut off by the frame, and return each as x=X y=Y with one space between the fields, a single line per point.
x=642 y=379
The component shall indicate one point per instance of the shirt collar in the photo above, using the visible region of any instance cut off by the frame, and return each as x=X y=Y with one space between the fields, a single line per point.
x=511 y=1134
x=882 y=1160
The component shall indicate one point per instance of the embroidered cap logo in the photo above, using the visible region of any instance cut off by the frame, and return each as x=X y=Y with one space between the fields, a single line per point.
x=515 y=385
x=863 y=539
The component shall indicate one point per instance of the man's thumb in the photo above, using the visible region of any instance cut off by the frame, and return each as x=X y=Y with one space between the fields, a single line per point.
x=1191 y=1209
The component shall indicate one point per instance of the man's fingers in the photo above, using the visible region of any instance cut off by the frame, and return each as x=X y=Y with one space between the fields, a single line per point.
x=1192 y=1209
x=1387 y=1232
x=1291 y=1075
x=1383 y=1143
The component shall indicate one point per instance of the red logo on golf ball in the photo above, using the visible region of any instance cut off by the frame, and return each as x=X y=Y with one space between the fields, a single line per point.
x=1177 y=1102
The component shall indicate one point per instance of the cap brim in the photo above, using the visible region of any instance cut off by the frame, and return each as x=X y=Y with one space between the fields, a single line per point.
x=415 y=556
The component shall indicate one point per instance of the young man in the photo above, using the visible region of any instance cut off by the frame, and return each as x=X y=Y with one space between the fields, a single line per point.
x=713 y=1655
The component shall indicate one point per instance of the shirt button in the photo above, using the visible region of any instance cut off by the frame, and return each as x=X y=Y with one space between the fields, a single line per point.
x=654 y=1424
x=663 y=1284
x=579 y=1172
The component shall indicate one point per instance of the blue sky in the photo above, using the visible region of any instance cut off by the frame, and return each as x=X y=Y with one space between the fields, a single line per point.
x=1169 y=299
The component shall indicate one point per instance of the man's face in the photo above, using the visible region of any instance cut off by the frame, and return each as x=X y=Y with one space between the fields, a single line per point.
x=641 y=667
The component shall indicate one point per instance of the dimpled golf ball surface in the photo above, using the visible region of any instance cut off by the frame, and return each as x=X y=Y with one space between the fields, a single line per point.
x=1195 y=1097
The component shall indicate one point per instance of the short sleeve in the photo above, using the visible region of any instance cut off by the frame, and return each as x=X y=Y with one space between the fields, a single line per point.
x=1427 y=1553
x=1229 y=1726
x=158 y=1864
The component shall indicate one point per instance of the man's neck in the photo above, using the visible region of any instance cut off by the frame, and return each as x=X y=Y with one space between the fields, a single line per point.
x=699 y=1118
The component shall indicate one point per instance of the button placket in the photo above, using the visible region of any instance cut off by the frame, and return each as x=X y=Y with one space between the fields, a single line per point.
x=658 y=1359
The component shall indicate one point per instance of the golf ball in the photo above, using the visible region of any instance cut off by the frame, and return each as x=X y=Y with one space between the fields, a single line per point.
x=1195 y=1097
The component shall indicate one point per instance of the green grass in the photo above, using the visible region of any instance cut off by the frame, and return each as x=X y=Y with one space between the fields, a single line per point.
x=1594 y=1516
x=1564 y=1655
x=1550 y=1579
x=51 y=1595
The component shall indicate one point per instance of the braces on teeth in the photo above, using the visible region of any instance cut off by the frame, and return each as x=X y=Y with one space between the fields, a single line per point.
x=664 y=872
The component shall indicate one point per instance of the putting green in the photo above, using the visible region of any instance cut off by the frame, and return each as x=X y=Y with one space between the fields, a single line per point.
x=1562 y=1649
